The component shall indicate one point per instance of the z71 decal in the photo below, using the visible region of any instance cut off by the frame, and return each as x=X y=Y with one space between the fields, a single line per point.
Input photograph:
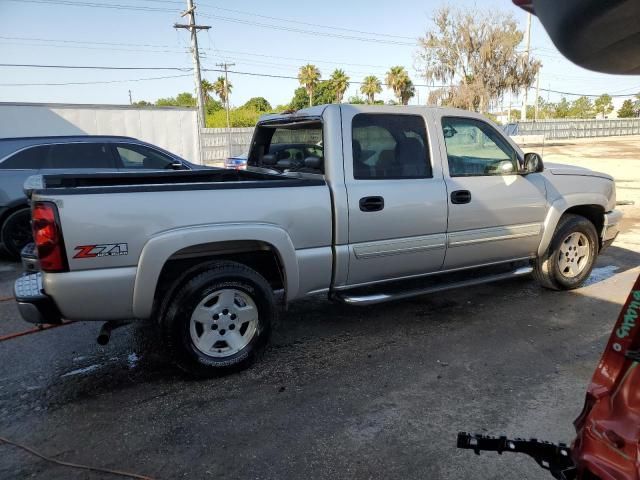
x=101 y=250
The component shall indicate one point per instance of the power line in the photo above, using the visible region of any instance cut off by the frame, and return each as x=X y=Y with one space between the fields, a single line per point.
x=254 y=74
x=289 y=20
x=97 y=82
x=97 y=5
x=307 y=32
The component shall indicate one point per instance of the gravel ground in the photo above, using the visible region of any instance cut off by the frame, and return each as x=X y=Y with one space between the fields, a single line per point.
x=342 y=392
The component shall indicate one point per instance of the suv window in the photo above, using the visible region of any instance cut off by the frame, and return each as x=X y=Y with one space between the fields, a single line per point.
x=139 y=156
x=390 y=146
x=474 y=148
x=80 y=155
x=32 y=158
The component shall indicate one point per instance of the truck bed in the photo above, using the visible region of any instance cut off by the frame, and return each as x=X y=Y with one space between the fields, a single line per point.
x=69 y=184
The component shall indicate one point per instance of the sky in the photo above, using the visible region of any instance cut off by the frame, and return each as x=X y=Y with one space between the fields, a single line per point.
x=261 y=38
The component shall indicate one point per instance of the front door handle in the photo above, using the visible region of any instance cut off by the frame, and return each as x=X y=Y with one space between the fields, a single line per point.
x=371 y=204
x=460 y=196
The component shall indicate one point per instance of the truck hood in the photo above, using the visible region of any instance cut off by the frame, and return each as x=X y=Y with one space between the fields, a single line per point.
x=561 y=169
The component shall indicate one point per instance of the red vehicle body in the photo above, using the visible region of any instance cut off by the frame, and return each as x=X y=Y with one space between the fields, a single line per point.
x=608 y=429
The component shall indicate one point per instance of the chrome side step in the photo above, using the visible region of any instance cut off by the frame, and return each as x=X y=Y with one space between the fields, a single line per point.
x=380 y=297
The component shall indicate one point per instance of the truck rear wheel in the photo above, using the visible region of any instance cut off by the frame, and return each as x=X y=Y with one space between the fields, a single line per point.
x=568 y=261
x=219 y=321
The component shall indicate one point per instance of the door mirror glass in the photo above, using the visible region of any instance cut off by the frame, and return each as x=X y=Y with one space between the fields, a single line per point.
x=532 y=163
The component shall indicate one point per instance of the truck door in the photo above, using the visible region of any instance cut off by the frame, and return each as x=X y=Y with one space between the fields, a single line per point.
x=396 y=196
x=495 y=214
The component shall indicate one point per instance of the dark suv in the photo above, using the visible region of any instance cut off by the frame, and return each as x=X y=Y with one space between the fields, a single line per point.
x=22 y=157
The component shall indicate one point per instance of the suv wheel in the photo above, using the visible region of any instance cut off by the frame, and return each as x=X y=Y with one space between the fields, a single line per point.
x=16 y=232
x=219 y=320
x=568 y=261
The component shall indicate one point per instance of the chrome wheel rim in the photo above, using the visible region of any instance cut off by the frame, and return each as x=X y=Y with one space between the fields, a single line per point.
x=574 y=255
x=224 y=323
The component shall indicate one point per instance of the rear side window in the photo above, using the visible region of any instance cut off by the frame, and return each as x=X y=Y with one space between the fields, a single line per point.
x=137 y=156
x=388 y=146
x=80 y=155
x=32 y=158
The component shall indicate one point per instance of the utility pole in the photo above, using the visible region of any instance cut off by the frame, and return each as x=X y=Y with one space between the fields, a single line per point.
x=226 y=66
x=523 y=114
x=537 y=96
x=130 y=101
x=193 y=28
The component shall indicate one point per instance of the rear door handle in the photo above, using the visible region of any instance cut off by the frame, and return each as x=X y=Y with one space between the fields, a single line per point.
x=460 y=196
x=371 y=204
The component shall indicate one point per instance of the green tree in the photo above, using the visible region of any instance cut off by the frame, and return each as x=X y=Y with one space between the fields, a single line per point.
x=184 y=99
x=339 y=83
x=371 y=85
x=562 y=109
x=207 y=90
x=142 y=103
x=222 y=89
x=397 y=79
x=627 y=110
x=582 y=107
x=603 y=105
x=476 y=52
x=259 y=104
x=407 y=92
x=356 y=100
x=322 y=94
x=309 y=76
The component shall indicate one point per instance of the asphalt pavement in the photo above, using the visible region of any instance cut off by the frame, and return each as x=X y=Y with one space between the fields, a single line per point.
x=342 y=392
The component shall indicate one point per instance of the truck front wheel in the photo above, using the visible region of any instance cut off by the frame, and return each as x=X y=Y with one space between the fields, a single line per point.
x=568 y=261
x=219 y=320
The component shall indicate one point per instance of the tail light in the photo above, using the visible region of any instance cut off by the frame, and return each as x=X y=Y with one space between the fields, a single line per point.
x=48 y=237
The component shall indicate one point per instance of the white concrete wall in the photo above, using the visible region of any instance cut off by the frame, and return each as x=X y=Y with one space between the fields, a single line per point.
x=172 y=128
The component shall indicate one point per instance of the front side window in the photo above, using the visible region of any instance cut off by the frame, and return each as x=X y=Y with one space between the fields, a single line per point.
x=32 y=158
x=389 y=146
x=80 y=155
x=474 y=149
x=138 y=156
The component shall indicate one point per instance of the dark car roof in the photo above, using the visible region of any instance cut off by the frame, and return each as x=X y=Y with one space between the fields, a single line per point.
x=10 y=145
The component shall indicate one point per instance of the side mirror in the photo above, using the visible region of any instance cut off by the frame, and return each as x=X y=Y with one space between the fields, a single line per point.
x=532 y=163
x=313 y=162
x=269 y=160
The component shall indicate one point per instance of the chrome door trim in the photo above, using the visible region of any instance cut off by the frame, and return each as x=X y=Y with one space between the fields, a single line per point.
x=493 y=234
x=399 y=246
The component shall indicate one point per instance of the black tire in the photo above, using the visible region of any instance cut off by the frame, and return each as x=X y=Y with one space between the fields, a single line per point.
x=547 y=268
x=16 y=232
x=176 y=321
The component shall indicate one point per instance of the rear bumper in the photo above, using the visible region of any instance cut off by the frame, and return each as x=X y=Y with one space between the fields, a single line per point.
x=34 y=305
x=611 y=227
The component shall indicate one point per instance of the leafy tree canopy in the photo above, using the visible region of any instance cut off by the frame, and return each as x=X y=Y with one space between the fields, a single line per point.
x=259 y=104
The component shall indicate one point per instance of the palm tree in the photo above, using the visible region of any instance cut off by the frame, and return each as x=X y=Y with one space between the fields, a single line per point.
x=397 y=79
x=370 y=86
x=339 y=83
x=408 y=90
x=309 y=76
x=222 y=89
x=207 y=90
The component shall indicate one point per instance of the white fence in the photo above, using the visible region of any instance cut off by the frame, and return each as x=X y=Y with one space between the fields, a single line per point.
x=172 y=128
x=556 y=129
x=218 y=143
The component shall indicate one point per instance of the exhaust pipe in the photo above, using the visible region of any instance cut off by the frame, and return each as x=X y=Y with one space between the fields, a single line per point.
x=105 y=332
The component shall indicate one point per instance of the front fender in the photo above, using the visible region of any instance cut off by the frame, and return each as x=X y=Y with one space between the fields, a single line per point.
x=161 y=247
x=560 y=206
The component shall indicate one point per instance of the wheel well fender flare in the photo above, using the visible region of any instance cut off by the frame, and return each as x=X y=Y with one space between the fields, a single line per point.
x=560 y=207
x=160 y=248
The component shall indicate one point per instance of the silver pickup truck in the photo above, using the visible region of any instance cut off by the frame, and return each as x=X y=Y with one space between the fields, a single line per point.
x=363 y=203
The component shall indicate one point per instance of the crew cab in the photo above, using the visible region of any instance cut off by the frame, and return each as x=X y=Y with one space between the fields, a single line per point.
x=392 y=202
